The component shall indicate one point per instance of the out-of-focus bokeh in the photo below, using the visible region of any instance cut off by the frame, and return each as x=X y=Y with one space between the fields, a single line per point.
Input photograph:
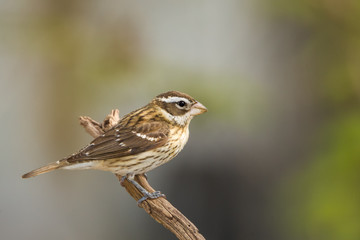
x=276 y=157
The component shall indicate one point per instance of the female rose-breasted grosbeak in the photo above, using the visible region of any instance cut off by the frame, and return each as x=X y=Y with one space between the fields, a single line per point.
x=141 y=141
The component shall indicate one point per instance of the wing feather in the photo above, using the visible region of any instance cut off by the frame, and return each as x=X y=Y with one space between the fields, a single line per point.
x=124 y=141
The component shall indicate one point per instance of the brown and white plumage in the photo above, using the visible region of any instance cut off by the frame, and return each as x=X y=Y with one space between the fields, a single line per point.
x=142 y=140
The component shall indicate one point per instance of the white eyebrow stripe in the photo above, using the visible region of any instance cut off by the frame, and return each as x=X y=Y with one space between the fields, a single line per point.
x=145 y=136
x=173 y=99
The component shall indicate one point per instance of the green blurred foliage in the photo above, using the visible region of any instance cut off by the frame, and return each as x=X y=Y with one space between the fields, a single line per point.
x=322 y=200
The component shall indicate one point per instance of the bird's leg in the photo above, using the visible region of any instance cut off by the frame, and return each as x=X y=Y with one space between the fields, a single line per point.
x=122 y=181
x=146 y=194
x=145 y=175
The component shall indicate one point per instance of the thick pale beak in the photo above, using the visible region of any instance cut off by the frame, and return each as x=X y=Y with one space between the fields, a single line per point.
x=197 y=109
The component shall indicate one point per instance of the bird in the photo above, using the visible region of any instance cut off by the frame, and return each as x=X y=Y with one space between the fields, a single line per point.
x=141 y=141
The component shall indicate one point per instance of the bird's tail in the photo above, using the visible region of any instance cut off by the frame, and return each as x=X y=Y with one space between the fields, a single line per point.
x=45 y=169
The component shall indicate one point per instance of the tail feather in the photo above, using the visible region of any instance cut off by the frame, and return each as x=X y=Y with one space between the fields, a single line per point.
x=45 y=169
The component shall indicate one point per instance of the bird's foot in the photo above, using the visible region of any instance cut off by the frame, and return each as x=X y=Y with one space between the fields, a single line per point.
x=153 y=195
x=146 y=194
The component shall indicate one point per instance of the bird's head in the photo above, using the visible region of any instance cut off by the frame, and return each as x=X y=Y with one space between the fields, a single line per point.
x=178 y=107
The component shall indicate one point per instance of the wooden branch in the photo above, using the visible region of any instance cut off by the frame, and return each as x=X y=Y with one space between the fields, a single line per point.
x=159 y=209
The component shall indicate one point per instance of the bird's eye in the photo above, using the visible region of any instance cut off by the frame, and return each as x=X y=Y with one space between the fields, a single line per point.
x=181 y=103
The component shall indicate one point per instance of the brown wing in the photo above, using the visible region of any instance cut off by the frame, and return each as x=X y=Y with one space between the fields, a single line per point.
x=124 y=141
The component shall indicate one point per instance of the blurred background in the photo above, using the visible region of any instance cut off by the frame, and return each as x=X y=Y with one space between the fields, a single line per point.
x=276 y=157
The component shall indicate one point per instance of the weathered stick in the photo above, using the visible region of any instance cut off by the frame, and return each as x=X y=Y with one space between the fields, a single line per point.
x=159 y=209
